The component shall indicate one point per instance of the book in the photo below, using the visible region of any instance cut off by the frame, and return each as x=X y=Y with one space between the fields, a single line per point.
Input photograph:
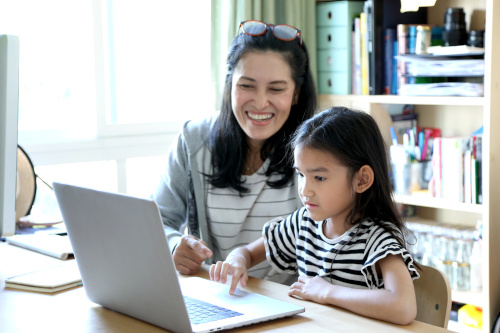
x=436 y=168
x=389 y=39
x=384 y=14
x=54 y=245
x=394 y=81
x=364 y=55
x=356 y=78
x=402 y=37
x=48 y=280
x=452 y=168
x=478 y=157
x=468 y=176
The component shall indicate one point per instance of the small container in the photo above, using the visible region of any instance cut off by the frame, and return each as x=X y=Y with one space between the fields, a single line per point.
x=476 y=38
x=412 y=39
x=411 y=177
x=423 y=39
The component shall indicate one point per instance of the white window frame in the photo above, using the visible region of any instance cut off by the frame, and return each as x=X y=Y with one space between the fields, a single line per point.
x=113 y=141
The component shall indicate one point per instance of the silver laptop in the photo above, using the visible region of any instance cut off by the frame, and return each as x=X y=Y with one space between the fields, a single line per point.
x=126 y=265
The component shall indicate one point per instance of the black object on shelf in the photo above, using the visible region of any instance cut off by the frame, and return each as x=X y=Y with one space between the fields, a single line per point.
x=454 y=31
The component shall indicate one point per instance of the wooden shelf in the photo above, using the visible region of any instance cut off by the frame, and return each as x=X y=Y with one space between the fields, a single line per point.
x=396 y=99
x=468 y=297
x=428 y=201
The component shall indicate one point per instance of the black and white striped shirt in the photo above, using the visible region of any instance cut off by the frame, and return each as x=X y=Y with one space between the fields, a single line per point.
x=238 y=220
x=298 y=244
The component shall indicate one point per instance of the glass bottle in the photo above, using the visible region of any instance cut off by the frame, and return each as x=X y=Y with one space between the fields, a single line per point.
x=476 y=273
x=461 y=267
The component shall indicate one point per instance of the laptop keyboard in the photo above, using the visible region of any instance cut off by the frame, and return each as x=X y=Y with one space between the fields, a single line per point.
x=201 y=312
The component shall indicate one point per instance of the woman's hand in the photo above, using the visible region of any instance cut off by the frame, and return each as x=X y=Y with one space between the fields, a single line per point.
x=235 y=266
x=189 y=254
x=310 y=288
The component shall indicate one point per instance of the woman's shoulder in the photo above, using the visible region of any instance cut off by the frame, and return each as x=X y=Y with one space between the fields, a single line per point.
x=196 y=131
x=199 y=126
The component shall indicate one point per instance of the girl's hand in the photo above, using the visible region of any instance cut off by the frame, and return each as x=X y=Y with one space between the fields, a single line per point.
x=236 y=266
x=310 y=288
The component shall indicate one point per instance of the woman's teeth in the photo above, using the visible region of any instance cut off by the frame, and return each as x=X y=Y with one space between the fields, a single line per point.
x=258 y=116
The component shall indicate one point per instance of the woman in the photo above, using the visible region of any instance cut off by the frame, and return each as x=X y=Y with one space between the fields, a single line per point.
x=227 y=174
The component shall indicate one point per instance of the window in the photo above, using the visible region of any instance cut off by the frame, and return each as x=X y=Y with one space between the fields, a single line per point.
x=108 y=82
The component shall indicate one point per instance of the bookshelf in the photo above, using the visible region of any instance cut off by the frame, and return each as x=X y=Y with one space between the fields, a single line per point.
x=458 y=116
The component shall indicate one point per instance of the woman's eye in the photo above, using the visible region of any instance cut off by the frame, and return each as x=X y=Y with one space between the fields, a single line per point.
x=245 y=86
x=277 y=89
x=299 y=174
x=320 y=178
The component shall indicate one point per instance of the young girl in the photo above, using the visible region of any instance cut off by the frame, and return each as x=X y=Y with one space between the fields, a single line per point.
x=347 y=242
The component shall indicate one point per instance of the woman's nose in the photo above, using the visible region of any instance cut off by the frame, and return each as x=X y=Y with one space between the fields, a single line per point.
x=261 y=100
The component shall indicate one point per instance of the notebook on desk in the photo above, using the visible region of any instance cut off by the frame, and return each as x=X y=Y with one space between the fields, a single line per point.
x=126 y=265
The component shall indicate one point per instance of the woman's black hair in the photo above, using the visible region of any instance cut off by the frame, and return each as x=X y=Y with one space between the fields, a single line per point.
x=227 y=141
x=354 y=139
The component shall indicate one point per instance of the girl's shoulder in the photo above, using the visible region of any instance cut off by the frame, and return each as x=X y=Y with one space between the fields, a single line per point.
x=370 y=227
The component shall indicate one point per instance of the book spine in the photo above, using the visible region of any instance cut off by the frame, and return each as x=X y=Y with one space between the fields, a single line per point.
x=403 y=48
x=357 y=57
x=436 y=167
x=389 y=38
x=394 y=73
x=468 y=176
x=452 y=169
x=364 y=55
x=479 y=164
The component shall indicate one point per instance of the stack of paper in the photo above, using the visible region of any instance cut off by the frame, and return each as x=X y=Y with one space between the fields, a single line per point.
x=49 y=280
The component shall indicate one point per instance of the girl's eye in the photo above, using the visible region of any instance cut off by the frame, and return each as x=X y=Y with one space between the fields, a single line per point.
x=299 y=174
x=320 y=178
x=245 y=86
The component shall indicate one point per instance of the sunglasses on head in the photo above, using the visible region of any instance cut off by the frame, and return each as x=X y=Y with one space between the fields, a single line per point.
x=280 y=31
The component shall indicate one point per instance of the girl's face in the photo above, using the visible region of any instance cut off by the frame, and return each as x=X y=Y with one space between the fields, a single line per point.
x=324 y=185
x=262 y=94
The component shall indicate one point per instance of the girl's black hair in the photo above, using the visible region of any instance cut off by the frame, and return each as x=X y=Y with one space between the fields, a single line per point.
x=354 y=139
x=227 y=141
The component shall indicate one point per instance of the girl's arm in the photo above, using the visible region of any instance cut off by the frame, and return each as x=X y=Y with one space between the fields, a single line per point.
x=396 y=303
x=237 y=264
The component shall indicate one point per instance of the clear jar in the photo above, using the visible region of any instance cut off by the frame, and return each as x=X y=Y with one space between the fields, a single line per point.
x=461 y=266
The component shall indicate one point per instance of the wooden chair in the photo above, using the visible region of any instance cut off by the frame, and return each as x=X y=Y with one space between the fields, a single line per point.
x=433 y=297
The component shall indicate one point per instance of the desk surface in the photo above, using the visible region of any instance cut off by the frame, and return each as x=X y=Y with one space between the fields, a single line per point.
x=24 y=311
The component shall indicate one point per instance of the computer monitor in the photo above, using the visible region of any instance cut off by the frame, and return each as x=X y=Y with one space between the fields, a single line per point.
x=9 y=106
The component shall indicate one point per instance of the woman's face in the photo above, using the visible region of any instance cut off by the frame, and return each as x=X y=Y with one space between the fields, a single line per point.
x=262 y=94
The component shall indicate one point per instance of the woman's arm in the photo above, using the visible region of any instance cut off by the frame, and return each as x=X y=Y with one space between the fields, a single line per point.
x=237 y=264
x=172 y=197
x=396 y=303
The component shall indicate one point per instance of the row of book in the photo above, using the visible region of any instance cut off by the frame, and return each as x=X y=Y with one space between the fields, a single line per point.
x=369 y=66
x=422 y=159
x=388 y=57
x=457 y=169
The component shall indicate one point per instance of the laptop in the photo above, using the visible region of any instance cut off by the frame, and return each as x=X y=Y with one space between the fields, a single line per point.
x=126 y=265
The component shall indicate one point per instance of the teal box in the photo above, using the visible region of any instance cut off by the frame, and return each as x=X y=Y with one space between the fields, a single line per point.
x=335 y=83
x=334 y=23
x=337 y=13
x=333 y=60
x=333 y=38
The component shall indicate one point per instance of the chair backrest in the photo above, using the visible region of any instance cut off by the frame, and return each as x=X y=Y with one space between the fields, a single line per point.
x=433 y=297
